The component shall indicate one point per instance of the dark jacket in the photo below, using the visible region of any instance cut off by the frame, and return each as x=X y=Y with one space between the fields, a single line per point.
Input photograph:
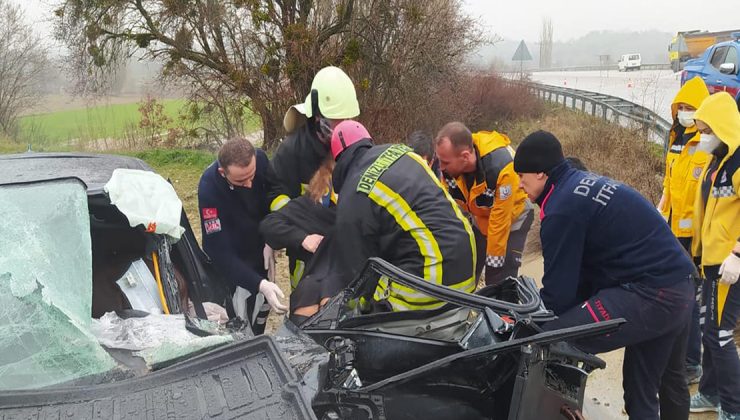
x=392 y=206
x=296 y=160
x=598 y=233
x=230 y=221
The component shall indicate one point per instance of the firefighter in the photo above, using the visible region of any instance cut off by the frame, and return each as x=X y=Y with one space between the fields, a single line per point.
x=608 y=254
x=684 y=164
x=478 y=173
x=232 y=200
x=717 y=239
x=301 y=225
x=391 y=206
x=332 y=99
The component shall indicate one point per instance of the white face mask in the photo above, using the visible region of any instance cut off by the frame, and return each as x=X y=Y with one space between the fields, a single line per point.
x=708 y=142
x=686 y=118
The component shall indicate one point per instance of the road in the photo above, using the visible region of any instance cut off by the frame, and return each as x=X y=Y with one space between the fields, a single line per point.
x=653 y=89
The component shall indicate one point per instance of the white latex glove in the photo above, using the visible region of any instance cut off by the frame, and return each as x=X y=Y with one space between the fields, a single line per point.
x=273 y=294
x=312 y=242
x=730 y=269
x=269 y=256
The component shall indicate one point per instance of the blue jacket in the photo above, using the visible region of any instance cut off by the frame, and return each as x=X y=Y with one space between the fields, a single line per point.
x=230 y=221
x=598 y=233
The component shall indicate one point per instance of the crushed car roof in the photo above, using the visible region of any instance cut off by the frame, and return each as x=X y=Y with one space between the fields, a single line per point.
x=94 y=170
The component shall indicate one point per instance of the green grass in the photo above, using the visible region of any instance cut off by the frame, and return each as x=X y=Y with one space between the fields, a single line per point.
x=105 y=121
x=73 y=128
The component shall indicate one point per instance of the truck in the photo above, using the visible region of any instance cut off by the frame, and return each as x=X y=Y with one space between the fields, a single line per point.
x=691 y=44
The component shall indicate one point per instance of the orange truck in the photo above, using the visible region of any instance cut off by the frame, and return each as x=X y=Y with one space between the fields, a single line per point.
x=690 y=44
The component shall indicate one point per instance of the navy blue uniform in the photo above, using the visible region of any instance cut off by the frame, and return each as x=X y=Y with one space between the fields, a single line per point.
x=230 y=219
x=609 y=254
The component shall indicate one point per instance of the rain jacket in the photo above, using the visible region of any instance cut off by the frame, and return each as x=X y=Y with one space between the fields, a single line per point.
x=493 y=197
x=684 y=164
x=392 y=206
x=717 y=211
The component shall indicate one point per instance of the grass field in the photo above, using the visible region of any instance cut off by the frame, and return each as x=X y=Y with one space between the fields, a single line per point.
x=105 y=121
x=72 y=128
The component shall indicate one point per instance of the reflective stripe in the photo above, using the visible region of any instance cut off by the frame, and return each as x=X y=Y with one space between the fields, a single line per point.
x=454 y=205
x=297 y=274
x=684 y=224
x=279 y=202
x=410 y=222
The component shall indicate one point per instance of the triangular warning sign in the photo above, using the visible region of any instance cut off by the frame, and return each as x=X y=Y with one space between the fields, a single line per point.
x=522 y=53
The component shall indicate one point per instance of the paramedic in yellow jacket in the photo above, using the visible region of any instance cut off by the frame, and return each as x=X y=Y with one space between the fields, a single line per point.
x=717 y=220
x=478 y=171
x=684 y=164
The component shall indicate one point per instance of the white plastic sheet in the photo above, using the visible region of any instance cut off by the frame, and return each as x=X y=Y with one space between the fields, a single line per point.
x=156 y=337
x=147 y=199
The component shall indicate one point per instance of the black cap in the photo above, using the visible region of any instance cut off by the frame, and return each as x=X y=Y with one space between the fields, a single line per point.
x=538 y=152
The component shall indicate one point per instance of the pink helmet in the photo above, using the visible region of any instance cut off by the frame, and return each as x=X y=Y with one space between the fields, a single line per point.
x=345 y=134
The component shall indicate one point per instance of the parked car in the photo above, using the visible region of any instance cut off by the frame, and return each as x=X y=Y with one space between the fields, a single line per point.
x=629 y=62
x=480 y=356
x=719 y=66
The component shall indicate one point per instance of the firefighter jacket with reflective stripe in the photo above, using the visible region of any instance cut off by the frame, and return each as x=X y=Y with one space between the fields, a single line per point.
x=295 y=162
x=392 y=206
x=492 y=194
x=718 y=206
x=684 y=164
x=230 y=219
x=598 y=233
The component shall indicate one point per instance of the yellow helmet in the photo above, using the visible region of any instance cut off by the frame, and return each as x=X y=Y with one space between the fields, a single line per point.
x=332 y=95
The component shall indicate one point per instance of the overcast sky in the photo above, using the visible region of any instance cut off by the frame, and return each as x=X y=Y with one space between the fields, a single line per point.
x=522 y=19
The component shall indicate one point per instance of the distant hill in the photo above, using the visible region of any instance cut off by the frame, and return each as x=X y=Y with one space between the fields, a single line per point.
x=583 y=51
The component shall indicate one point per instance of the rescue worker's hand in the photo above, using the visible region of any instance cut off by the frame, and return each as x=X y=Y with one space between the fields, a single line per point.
x=273 y=294
x=269 y=256
x=660 y=207
x=730 y=269
x=312 y=242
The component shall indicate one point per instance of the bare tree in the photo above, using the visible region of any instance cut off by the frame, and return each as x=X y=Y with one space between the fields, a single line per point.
x=261 y=55
x=546 y=44
x=22 y=62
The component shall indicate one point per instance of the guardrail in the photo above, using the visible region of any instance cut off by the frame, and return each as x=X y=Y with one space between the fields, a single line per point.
x=607 y=67
x=610 y=108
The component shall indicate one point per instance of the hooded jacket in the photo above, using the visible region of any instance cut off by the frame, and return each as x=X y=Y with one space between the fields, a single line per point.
x=494 y=197
x=684 y=164
x=717 y=211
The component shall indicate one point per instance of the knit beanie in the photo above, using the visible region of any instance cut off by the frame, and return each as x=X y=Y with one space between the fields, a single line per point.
x=538 y=152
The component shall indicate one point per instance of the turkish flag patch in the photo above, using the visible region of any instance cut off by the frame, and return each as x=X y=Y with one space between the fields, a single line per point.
x=210 y=213
x=212 y=226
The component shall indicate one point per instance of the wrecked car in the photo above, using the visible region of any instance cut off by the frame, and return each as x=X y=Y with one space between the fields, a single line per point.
x=106 y=315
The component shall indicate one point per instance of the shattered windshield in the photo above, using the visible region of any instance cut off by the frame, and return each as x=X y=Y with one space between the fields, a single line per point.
x=46 y=286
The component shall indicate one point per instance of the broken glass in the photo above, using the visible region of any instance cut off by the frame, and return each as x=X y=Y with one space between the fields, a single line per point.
x=46 y=286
